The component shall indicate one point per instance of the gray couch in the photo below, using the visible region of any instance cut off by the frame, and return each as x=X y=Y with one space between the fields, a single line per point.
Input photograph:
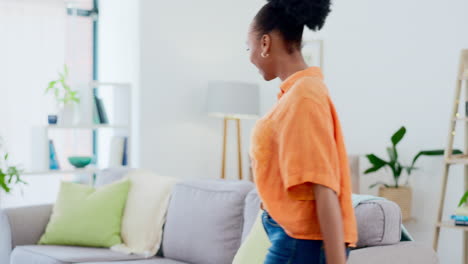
x=207 y=221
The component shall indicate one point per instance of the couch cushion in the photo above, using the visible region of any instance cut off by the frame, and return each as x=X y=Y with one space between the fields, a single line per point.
x=252 y=207
x=205 y=220
x=28 y=223
x=401 y=253
x=145 y=261
x=145 y=212
x=255 y=247
x=64 y=254
x=379 y=223
x=86 y=216
x=108 y=176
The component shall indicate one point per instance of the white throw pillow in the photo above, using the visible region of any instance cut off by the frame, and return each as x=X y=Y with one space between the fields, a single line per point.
x=145 y=213
x=255 y=246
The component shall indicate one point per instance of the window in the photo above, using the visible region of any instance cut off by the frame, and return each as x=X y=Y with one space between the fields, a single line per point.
x=38 y=38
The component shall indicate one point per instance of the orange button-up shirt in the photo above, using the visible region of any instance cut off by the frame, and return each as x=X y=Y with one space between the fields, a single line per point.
x=298 y=143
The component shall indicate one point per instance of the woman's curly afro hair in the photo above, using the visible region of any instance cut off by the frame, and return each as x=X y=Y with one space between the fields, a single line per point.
x=290 y=16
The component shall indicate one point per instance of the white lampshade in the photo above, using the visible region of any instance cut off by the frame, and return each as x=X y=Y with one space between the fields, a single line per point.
x=233 y=99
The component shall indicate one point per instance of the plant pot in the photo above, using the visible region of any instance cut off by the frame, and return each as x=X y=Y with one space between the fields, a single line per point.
x=401 y=196
x=68 y=115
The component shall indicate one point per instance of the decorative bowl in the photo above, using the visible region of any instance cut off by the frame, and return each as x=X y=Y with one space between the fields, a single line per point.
x=80 y=161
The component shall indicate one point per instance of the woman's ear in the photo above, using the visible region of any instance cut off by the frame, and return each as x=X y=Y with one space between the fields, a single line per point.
x=265 y=45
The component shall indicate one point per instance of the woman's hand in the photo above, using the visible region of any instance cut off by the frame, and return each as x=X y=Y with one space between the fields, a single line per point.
x=331 y=224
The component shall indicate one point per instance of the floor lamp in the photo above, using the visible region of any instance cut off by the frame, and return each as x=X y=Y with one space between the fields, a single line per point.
x=233 y=101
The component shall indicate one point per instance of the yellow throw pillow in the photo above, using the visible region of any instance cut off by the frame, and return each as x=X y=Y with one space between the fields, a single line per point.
x=255 y=246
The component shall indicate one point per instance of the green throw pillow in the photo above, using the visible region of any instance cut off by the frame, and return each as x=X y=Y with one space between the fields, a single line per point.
x=85 y=216
x=255 y=246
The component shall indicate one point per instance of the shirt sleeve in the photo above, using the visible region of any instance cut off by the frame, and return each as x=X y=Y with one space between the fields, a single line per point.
x=307 y=148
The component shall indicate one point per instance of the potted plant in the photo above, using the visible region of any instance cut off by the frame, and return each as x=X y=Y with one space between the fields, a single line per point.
x=400 y=194
x=9 y=175
x=462 y=208
x=65 y=97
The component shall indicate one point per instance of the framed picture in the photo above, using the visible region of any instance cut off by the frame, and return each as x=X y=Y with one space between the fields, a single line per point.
x=312 y=50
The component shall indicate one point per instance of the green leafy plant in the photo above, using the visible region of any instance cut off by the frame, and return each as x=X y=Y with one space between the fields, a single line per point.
x=61 y=89
x=394 y=164
x=463 y=200
x=9 y=176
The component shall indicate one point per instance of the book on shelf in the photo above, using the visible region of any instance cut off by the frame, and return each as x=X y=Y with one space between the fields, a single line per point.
x=53 y=161
x=96 y=119
x=118 y=152
x=125 y=152
x=101 y=111
x=461 y=223
x=459 y=217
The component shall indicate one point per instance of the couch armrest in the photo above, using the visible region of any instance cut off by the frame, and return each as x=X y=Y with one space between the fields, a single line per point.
x=403 y=252
x=5 y=238
x=27 y=224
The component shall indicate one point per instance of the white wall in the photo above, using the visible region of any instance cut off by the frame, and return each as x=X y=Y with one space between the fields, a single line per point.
x=185 y=44
x=387 y=64
x=394 y=63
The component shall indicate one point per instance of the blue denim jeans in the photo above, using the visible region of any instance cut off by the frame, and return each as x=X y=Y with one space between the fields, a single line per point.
x=288 y=250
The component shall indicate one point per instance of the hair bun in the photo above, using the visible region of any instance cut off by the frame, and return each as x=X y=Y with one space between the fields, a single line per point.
x=311 y=13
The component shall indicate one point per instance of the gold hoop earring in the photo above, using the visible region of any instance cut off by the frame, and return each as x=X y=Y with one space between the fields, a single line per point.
x=263 y=55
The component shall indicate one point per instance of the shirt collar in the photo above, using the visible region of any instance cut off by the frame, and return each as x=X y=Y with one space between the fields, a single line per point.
x=291 y=80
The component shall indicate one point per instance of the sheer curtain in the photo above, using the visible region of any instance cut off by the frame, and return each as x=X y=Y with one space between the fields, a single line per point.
x=32 y=50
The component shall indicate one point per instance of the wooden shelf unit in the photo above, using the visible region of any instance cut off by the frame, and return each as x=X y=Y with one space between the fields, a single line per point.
x=121 y=124
x=460 y=159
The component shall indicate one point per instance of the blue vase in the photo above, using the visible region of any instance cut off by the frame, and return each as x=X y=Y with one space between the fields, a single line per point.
x=53 y=162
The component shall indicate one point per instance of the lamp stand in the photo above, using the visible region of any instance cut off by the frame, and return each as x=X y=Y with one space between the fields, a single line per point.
x=239 y=146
